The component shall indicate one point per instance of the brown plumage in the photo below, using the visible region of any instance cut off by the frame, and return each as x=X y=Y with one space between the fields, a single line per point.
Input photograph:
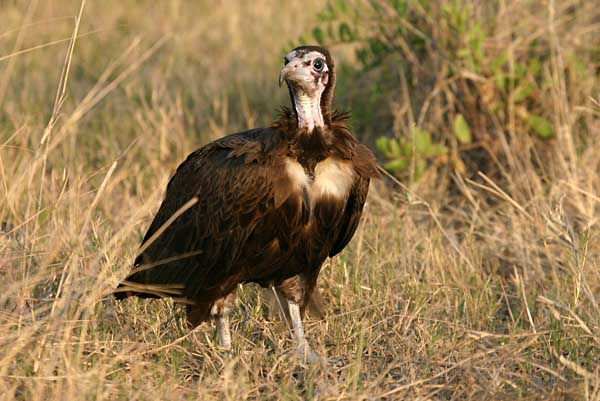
x=272 y=204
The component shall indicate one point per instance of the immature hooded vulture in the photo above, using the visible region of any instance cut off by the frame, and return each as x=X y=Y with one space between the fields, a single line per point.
x=267 y=205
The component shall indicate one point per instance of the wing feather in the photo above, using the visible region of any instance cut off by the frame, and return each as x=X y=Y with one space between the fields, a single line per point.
x=365 y=166
x=352 y=213
x=233 y=183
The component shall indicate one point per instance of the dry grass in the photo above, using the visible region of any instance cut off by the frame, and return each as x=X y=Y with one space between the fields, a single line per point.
x=489 y=291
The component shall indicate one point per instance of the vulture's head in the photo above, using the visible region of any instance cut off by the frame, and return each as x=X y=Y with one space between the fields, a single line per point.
x=310 y=76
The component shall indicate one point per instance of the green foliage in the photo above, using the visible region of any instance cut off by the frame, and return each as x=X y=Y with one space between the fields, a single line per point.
x=485 y=81
x=518 y=84
x=471 y=35
x=540 y=125
x=400 y=153
x=462 y=130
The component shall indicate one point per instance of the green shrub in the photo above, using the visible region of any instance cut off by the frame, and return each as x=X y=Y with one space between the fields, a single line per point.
x=467 y=76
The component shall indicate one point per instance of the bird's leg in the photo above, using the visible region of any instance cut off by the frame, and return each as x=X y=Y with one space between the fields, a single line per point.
x=223 y=333
x=296 y=290
x=304 y=351
x=298 y=327
x=220 y=311
x=292 y=314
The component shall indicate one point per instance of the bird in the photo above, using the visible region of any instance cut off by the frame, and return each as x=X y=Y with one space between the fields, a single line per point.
x=267 y=205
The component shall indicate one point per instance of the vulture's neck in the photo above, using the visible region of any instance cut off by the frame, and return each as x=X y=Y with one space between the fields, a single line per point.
x=308 y=110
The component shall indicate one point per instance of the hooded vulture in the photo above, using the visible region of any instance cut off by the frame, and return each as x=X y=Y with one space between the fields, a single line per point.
x=267 y=205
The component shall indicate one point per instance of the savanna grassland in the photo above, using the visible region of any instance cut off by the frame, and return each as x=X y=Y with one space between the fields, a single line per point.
x=475 y=273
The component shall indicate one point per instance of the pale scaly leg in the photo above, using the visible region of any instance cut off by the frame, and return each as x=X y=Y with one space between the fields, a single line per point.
x=223 y=333
x=220 y=312
x=304 y=351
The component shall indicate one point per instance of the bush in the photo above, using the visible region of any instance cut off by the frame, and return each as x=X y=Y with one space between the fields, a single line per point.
x=468 y=80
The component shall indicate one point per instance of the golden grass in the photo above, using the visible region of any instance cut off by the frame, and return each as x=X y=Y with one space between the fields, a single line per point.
x=489 y=292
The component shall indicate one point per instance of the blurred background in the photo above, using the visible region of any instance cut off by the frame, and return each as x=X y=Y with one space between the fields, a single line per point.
x=475 y=273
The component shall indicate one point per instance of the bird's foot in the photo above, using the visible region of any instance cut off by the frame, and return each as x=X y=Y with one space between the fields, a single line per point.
x=309 y=357
x=225 y=353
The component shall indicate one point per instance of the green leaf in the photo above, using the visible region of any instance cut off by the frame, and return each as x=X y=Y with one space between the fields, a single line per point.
x=534 y=67
x=523 y=92
x=519 y=71
x=541 y=126
x=499 y=61
x=400 y=7
x=396 y=165
x=378 y=48
x=499 y=75
x=318 y=35
x=439 y=149
x=394 y=147
x=346 y=34
x=462 y=130
x=501 y=80
x=363 y=57
x=406 y=148
x=331 y=32
x=476 y=38
x=382 y=145
x=422 y=140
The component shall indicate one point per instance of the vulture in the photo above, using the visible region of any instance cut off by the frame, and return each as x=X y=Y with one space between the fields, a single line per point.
x=266 y=206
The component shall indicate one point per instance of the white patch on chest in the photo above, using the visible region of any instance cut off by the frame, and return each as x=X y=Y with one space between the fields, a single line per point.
x=297 y=175
x=333 y=178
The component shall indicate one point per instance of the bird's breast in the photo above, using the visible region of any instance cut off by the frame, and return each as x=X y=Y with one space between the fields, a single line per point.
x=332 y=179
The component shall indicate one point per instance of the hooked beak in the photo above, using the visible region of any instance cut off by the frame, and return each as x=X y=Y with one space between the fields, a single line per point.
x=294 y=72
x=283 y=75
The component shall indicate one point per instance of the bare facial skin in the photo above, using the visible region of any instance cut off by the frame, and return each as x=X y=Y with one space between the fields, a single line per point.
x=307 y=75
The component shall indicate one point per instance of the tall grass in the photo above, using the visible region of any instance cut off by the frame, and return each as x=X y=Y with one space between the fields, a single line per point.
x=461 y=285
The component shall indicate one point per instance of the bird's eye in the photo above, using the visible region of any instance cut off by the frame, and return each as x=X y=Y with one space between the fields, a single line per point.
x=318 y=64
x=285 y=61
